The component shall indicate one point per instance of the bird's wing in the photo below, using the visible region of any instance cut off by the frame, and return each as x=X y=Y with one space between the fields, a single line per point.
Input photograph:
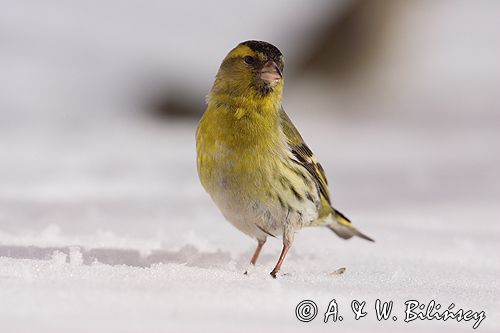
x=339 y=224
x=304 y=156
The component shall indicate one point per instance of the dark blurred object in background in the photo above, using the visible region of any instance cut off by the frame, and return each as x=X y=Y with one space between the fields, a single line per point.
x=348 y=41
x=172 y=105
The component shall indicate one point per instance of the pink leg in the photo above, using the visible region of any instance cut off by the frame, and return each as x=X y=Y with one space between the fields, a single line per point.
x=277 y=268
x=255 y=256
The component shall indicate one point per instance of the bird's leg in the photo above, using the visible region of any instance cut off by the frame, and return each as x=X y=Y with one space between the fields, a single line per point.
x=260 y=244
x=288 y=236
x=255 y=256
x=277 y=268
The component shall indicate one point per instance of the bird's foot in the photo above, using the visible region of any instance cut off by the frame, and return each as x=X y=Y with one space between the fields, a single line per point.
x=249 y=269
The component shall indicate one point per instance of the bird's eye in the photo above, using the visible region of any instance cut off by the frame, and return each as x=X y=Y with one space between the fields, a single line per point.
x=249 y=60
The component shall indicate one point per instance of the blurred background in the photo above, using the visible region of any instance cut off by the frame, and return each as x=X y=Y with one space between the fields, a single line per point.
x=99 y=102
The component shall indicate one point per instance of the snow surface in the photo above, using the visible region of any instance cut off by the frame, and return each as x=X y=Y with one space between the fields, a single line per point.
x=109 y=230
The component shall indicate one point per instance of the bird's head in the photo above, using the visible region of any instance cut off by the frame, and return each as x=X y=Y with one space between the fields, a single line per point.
x=251 y=68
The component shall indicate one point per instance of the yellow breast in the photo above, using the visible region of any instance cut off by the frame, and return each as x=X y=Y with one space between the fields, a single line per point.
x=238 y=147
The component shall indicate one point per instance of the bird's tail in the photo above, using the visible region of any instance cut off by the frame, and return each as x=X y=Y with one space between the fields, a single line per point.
x=342 y=226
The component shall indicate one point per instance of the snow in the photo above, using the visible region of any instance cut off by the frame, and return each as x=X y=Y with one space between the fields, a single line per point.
x=118 y=235
x=211 y=293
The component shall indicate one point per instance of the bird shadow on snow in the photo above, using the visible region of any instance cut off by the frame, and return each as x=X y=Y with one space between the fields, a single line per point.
x=187 y=255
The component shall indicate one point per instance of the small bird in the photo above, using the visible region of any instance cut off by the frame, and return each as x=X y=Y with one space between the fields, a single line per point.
x=252 y=160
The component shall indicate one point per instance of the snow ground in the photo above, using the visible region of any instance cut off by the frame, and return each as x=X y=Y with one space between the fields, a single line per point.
x=109 y=230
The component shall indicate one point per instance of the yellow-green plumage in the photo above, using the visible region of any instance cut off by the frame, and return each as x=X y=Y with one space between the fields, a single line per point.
x=251 y=158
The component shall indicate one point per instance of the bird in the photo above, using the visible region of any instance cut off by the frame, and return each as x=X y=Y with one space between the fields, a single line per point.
x=252 y=160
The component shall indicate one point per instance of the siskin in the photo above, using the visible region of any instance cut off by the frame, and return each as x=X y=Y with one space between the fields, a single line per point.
x=252 y=160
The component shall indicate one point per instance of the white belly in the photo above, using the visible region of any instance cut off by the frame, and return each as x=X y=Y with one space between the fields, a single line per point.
x=260 y=219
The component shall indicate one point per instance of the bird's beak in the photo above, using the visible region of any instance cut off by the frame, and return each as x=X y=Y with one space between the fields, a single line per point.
x=270 y=72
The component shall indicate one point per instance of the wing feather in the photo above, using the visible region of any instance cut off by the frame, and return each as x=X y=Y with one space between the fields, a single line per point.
x=304 y=156
x=339 y=224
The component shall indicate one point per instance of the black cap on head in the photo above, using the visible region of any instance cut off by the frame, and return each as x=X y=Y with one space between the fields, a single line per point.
x=270 y=50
